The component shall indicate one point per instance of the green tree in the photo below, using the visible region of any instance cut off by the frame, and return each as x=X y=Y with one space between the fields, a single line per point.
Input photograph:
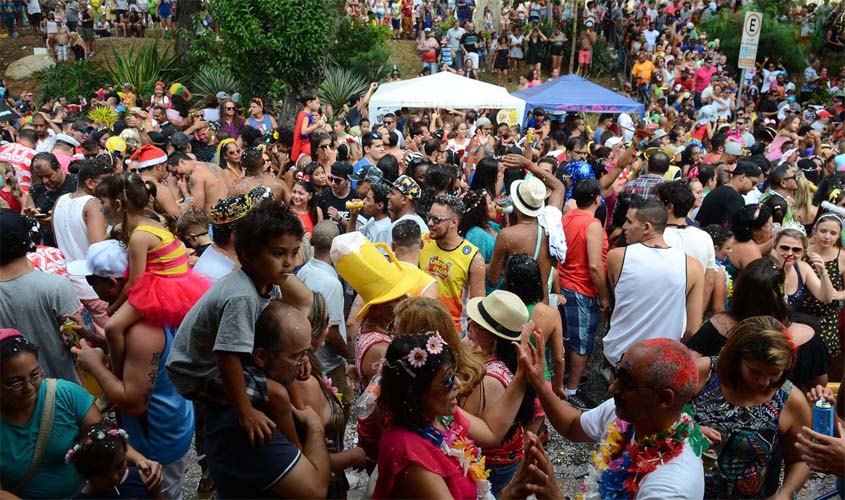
x=775 y=37
x=274 y=47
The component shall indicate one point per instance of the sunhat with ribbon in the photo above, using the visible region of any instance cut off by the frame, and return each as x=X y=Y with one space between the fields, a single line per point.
x=502 y=313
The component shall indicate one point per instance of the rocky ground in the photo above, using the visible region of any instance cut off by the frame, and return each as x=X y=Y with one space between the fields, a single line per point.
x=570 y=459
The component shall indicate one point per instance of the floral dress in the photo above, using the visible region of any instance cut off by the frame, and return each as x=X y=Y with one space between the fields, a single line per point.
x=828 y=313
x=750 y=439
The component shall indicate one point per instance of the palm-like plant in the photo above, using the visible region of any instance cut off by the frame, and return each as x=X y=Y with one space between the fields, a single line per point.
x=210 y=80
x=338 y=86
x=142 y=66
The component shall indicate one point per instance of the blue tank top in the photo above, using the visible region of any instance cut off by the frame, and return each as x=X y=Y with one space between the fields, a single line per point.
x=164 y=432
x=263 y=126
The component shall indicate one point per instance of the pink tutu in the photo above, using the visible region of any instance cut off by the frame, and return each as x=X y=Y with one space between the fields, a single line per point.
x=165 y=300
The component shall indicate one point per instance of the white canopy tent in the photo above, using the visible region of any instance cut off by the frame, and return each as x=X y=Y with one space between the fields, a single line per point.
x=442 y=90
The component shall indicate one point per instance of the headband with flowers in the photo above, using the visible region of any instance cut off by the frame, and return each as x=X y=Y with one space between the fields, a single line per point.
x=418 y=356
x=89 y=440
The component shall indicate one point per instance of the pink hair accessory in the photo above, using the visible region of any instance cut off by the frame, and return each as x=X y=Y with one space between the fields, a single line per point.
x=7 y=333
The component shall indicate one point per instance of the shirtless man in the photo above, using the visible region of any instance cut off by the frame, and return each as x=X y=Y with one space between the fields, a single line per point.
x=522 y=236
x=206 y=181
x=62 y=43
x=151 y=163
x=253 y=166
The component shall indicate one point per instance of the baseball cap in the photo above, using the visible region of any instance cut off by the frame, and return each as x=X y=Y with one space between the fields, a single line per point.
x=407 y=186
x=367 y=173
x=825 y=114
x=482 y=122
x=157 y=138
x=179 y=140
x=341 y=169
x=222 y=95
x=70 y=141
x=81 y=126
x=106 y=259
x=748 y=168
x=733 y=148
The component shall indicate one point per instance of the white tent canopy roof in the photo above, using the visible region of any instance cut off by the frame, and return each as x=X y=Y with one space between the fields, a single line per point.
x=442 y=90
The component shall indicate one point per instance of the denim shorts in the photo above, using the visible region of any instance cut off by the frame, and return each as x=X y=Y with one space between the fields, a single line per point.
x=580 y=316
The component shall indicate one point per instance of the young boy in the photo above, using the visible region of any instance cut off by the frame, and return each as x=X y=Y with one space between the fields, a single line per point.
x=206 y=362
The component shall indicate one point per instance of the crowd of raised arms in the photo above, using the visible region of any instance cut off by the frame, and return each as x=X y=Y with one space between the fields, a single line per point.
x=209 y=277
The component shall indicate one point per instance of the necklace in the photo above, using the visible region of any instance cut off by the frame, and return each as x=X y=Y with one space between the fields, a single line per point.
x=462 y=449
x=621 y=462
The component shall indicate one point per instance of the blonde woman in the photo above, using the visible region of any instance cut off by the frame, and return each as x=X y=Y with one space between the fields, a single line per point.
x=803 y=209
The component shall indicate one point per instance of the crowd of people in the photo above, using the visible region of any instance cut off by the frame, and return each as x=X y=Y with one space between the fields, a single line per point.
x=209 y=273
x=69 y=28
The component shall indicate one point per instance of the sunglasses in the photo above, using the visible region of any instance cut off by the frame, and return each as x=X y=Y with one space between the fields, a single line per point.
x=230 y=108
x=336 y=180
x=787 y=248
x=626 y=380
x=389 y=122
x=324 y=146
x=437 y=220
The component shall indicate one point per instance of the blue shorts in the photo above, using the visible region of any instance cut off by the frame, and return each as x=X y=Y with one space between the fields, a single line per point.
x=580 y=319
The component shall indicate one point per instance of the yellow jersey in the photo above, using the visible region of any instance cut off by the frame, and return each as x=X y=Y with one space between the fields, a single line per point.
x=451 y=270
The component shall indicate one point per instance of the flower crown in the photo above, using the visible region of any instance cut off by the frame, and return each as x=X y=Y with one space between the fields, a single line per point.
x=418 y=356
x=89 y=440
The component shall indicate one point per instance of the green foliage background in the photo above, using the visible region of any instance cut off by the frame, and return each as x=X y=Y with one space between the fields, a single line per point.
x=778 y=40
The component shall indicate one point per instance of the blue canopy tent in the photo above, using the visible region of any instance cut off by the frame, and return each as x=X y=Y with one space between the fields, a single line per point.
x=575 y=94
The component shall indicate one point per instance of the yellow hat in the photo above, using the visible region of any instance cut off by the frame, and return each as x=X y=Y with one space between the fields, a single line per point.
x=376 y=279
x=116 y=144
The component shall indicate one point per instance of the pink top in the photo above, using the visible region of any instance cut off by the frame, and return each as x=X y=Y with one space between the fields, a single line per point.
x=401 y=447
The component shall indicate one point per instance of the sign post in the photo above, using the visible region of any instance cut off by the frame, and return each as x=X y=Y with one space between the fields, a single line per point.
x=751 y=29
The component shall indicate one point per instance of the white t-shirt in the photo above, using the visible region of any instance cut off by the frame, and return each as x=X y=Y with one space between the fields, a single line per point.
x=694 y=242
x=33 y=7
x=681 y=478
x=414 y=217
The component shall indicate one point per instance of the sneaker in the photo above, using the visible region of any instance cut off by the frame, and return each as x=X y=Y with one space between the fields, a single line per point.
x=580 y=401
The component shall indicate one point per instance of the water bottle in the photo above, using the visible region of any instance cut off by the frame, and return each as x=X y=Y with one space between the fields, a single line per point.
x=367 y=400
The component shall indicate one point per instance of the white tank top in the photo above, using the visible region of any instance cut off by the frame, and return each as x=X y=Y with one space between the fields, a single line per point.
x=72 y=237
x=650 y=299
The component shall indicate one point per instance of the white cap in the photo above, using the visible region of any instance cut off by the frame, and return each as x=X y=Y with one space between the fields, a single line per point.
x=67 y=140
x=106 y=259
x=613 y=141
x=733 y=148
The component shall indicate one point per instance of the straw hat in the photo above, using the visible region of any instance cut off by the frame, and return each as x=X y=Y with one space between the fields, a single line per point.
x=501 y=313
x=376 y=279
x=529 y=196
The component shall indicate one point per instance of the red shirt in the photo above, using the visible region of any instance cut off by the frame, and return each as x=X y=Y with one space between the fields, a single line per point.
x=20 y=157
x=575 y=271
x=9 y=198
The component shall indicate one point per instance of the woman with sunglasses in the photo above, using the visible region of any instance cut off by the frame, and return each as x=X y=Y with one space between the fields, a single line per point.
x=230 y=119
x=428 y=449
x=751 y=413
x=229 y=159
x=827 y=244
x=789 y=249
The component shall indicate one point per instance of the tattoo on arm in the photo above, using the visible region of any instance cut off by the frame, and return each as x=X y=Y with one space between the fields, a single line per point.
x=152 y=376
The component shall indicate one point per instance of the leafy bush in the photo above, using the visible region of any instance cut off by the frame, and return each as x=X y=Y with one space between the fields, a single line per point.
x=361 y=47
x=142 y=66
x=211 y=80
x=276 y=47
x=339 y=85
x=775 y=37
x=72 y=80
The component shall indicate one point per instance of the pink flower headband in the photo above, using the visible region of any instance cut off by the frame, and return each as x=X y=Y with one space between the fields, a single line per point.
x=418 y=356
x=88 y=441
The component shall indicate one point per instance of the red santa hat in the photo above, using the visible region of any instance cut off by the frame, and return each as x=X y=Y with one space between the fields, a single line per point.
x=148 y=156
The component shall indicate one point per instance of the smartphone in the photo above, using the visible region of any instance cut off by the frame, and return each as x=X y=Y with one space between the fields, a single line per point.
x=41 y=216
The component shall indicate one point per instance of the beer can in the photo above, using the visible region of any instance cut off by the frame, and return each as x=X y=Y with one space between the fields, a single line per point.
x=353 y=205
x=69 y=333
x=823 y=417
